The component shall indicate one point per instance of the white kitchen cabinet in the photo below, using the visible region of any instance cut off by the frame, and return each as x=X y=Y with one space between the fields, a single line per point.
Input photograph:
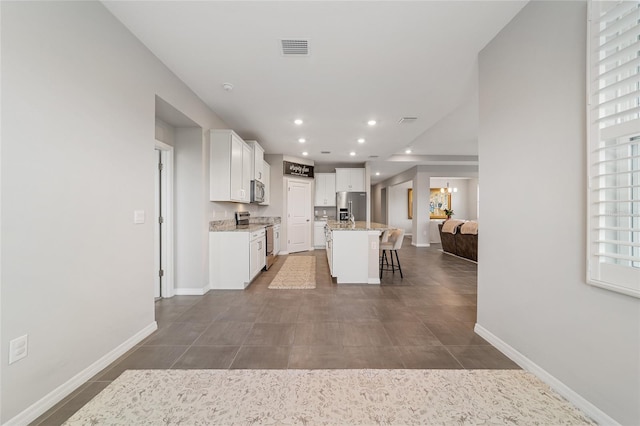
x=350 y=180
x=276 y=239
x=257 y=162
x=235 y=258
x=319 y=239
x=247 y=155
x=325 y=189
x=229 y=167
x=267 y=183
x=257 y=252
x=329 y=248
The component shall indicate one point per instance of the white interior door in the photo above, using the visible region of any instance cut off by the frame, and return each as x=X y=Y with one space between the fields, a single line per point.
x=298 y=216
x=163 y=222
x=157 y=280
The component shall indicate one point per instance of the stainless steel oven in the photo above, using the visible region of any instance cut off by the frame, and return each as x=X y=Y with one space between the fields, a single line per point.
x=271 y=258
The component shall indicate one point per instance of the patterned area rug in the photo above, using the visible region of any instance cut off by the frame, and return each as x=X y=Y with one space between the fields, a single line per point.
x=303 y=397
x=298 y=272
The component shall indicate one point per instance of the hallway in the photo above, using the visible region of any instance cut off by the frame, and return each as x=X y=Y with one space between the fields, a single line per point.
x=423 y=321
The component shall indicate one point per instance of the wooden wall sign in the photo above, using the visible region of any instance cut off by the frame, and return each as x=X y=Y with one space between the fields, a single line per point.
x=296 y=169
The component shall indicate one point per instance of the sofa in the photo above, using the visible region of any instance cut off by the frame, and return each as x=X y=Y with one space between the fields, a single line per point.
x=460 y=238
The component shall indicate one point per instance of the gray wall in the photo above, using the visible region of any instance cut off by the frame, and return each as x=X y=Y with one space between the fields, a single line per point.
x=532 y=293
x=190 y=218
x=77 y=159
x=398 y=199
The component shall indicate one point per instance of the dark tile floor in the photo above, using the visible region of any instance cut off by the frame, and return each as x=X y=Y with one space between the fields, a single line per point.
x=424 y=320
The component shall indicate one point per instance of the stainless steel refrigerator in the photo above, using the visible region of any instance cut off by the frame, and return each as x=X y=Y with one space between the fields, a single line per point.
x=351 y=203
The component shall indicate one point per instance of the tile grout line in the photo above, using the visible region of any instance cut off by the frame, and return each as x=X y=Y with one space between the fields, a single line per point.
x=194 y=340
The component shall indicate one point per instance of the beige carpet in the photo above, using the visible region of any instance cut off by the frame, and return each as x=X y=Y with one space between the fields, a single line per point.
x=346 y=397
x=298 y=272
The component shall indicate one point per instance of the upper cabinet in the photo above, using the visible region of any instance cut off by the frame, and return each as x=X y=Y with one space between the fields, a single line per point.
x=266 y=168
x=230 y=167
x=257 y=173
x=350 y=180
x=325 y=189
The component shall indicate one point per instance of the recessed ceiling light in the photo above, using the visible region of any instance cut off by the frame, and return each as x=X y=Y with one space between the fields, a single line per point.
x=305 y=153
x=377 y=173
x=371 y=122
x=352 y=153
x=298 y=121
x=407 y=151
x=302 y=140
x=361 y=140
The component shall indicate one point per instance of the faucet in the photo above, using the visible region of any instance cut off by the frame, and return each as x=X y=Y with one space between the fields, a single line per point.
x=352 y=219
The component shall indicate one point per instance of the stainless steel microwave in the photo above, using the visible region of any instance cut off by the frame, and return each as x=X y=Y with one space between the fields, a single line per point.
x=257 y=191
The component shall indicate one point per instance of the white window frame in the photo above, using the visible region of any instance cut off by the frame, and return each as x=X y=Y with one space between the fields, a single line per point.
x=613 y=154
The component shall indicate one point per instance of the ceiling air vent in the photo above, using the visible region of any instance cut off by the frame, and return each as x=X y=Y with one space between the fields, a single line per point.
x=374 y=156
x=295 y=47
x=325 y=152
x=407 y=120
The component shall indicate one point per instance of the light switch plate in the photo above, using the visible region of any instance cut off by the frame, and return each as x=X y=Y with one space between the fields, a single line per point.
x=138 y=216
x=18 y=348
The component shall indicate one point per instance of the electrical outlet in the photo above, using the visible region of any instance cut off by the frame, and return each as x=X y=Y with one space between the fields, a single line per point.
x=18 y=348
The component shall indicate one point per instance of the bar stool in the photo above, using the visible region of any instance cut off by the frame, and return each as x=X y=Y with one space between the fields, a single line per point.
x=393 y=244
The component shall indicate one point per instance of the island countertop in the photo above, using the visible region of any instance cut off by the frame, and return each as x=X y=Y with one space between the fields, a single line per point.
x=335 y=225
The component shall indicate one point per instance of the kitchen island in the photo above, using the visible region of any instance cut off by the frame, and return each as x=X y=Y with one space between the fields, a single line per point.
x=353 y=251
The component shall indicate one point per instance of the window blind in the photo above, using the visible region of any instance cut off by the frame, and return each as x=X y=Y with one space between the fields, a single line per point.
x=614 y=145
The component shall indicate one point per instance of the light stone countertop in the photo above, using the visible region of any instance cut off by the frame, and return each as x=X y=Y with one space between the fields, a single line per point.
x=255 y=224
x=335 y=225
x=232 y=227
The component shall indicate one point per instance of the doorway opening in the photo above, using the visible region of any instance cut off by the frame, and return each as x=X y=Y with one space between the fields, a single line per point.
x=383 y=206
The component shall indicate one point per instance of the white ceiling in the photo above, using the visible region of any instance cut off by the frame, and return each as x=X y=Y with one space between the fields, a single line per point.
x=368 y=59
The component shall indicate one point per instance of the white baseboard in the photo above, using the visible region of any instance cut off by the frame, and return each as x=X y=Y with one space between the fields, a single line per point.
x=420 y=245
x=58 y=394
x=283 y=253
x=191 y=291
x=572 y=396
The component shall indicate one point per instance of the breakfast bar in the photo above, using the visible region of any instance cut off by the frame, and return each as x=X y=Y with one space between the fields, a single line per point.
x=353 y=250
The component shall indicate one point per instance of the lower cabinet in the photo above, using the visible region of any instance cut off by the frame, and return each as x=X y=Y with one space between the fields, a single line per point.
x=235 y=258
x=318 y=234
x=257 y=253
x=329 y=248
x=276 y=239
